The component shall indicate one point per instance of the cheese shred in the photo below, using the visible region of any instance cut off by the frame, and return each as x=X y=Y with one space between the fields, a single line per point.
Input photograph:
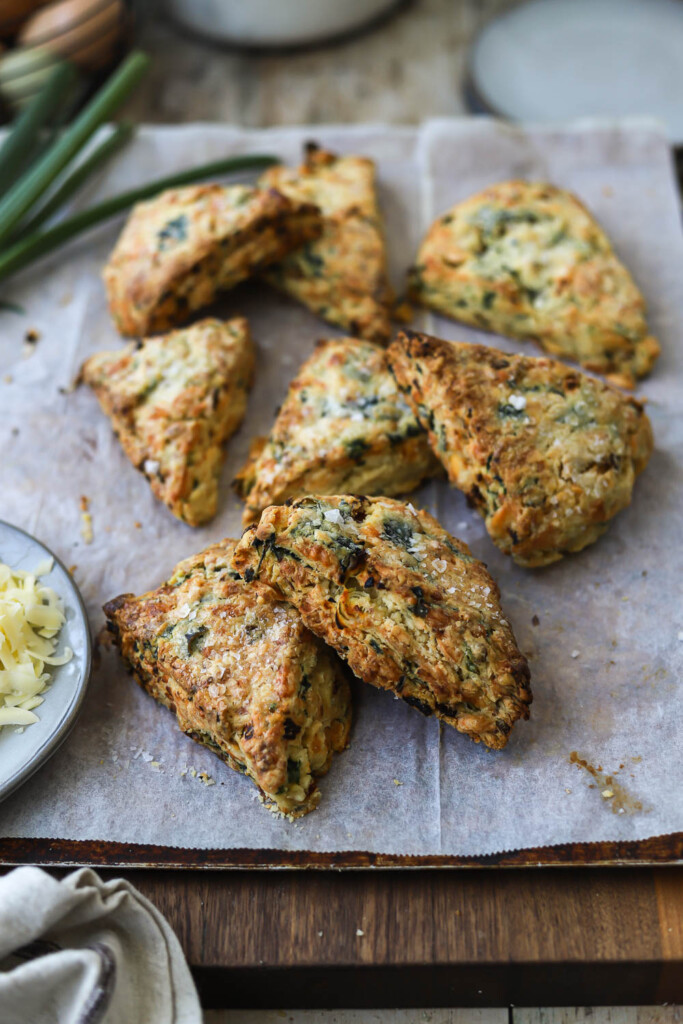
x=31 y=616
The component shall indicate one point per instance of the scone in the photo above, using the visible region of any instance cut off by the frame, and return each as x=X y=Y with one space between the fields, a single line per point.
x=401 y=600
x=343 y=427
x=527 y=260
x=242 y=674
x=341 y=276
x=545 y=453
x=179 y=250
x=173 y=401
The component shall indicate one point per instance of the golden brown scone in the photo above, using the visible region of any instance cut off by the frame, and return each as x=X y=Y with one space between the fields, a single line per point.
x=242 y=674
x=343 y=427
x=528 y=260
x=401 y=600
x=341 y=276
x=181 y=248
x=173 y=401
x=545 y=453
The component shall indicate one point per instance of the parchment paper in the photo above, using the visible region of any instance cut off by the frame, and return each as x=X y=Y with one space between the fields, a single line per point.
x=605 y=654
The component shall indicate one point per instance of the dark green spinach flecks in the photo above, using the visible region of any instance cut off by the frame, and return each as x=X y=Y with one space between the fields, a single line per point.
x=356 y=448
x=397 y=531
x=174 y=231
x=195 y=639
x=420 y=607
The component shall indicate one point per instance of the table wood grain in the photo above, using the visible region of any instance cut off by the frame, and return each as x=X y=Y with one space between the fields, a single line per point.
x=277 y=938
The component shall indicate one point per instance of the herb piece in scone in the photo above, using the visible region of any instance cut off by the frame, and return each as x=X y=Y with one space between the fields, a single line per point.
x=527 y=260
x=406 y=604
x=341 y=276
x=547 y=454
x=343 y=427
x=173 y=401
x=179 y=250
x=241 y=672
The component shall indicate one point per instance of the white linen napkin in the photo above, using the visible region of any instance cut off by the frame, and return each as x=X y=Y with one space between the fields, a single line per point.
x=84 y=951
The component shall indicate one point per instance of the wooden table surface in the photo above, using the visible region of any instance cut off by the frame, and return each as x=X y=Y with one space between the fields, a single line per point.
x=572 y=936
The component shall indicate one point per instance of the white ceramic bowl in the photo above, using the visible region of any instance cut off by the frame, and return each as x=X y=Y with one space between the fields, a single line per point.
x=23 y=753
x=276 y=22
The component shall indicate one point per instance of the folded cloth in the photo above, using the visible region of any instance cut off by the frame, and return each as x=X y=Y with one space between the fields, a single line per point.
x=84 y=951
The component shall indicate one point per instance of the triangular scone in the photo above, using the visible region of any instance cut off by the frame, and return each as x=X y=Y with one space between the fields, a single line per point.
x=242 y=673
x=527 y=260
x=341 y=276
x=547 y=454
x=401 y=600
x=181 y=248
x=343 y=427
x=173 y=401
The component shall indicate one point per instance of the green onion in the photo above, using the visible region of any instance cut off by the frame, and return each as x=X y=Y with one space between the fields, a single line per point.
x=71 y=184
x=23 y=137
x=19 y=255
x=19 y=200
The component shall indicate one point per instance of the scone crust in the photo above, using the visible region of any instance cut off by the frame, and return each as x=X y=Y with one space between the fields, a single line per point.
x=242 y=674
x=179 y=250
x=343 y=427
x=547 y=454
x=527 y=260
x=401 y=600
x=341 y=276
x=173 y=401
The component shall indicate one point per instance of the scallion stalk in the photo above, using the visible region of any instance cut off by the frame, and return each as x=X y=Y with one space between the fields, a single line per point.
x=21 y=197
x=71 y=184
x=23 y=137
x=40 y=243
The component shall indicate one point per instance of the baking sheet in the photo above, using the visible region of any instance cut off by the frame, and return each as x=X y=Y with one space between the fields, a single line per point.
x=606 y=655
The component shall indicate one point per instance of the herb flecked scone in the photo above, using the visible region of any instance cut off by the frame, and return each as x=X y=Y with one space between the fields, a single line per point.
x=343 y=427
x=406 y=604
x=241 y=672
x=179 y=250
x=173 y=401
x=342 y=275
x=527 y=260
x=547 y=454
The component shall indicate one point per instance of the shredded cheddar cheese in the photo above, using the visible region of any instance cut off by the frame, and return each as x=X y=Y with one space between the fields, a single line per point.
x=31 y=616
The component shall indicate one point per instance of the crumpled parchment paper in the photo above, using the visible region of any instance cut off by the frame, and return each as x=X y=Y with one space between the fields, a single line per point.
x=602 y=629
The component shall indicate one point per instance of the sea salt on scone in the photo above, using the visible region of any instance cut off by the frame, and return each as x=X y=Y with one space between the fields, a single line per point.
x=343 y=427
x=548 y=455
x=406 y=604
x=342 y=275
x=527 y=260
x=242 y=674
x=179 y=250
x=173 y=401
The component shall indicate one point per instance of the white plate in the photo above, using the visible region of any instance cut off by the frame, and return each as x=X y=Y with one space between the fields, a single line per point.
x=552 y=60
x=23 y=753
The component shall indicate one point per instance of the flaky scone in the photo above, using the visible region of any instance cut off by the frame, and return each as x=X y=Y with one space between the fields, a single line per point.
x=173 y=401
x=242 y=674
x=179 y=250
x=401 y=600
x=545 y=453
x=341 y=276
x=343 y=427
x=528 y=260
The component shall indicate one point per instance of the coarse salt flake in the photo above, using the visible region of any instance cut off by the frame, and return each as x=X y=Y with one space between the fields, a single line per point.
x=575 y=654
x=440 y=564
x=333 y=515
x=518 y=401
x=150 y=466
